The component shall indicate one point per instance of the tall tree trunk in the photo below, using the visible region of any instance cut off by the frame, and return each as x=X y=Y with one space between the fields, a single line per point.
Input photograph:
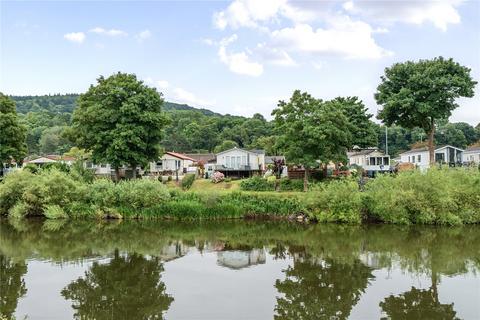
x=305 y=180
x=431 y=147
x=117 y=174
x=134 y=171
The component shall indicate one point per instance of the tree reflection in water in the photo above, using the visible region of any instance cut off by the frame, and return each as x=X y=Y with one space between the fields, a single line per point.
x=319 y=290
x=128 y=287
x=12 y=285
x=417 y=304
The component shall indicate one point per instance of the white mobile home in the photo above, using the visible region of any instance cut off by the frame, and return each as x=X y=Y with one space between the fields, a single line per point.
x=171 y=162
x=471 y=155
x=370 y=159
x=242 y=162
x=421 y=158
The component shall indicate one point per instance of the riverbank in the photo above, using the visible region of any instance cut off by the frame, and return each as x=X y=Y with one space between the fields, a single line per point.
x=444 y=197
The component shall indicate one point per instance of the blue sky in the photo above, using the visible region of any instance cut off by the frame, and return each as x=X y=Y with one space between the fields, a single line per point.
x=237 y=57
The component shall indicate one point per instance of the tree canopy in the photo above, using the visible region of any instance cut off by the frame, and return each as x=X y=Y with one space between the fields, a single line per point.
x=12 y=137
x=120 y=120
x=419 y=94
x=363 y=129
x=310 y=129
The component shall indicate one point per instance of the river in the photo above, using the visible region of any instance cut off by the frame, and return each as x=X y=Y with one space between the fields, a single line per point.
x=236 y=270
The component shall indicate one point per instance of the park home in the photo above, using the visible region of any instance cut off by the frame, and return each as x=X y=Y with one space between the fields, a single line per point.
x=471 y=155
x=240 y=162
x=420 y=157
x=371 y=160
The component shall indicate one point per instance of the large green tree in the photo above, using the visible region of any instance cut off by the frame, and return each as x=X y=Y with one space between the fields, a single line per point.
x=363 y=129
x=309 y=130
x=12 y=137
x=419 y=94
x=120 y=120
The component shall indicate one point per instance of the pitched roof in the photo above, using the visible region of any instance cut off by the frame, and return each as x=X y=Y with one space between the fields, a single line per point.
x=422 y=149
x=234 y=148
x=180 y=156
x=473 y=148
x=203 y=157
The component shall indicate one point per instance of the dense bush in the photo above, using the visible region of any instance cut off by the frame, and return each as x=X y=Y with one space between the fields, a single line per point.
x=257 y=183
x=337 y=201
x=271 y=184
x=23 y=193
x=287 y=184
x=188 y=181
x=450 y=196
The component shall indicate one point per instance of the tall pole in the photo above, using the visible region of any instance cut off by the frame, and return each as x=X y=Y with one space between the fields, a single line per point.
x=386 y=140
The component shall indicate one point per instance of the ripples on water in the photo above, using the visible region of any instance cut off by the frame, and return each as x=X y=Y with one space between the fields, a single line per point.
x=237 y=270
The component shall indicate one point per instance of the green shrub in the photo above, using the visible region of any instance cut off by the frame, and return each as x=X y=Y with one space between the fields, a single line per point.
x=12 y=188
x=287 y=184
x=30 y=167
x=337 y=201
x=271 y=179
x=54 y=212
x=140 y=194
x=188 y=181
x=257 y=183
x=19 y=210
x=448 y=196
x=35 y=192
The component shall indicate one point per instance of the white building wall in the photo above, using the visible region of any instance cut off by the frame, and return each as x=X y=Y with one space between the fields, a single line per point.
x=246 y=158
x=471 y=156
x=170 y=163
x=413 y=157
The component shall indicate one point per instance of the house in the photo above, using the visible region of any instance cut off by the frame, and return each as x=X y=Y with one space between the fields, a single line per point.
x=371 y=160
x=52 y=158
x=240 y=162
x=421 y=157
x=104 y=170
x=171 y=162
x=471 y=155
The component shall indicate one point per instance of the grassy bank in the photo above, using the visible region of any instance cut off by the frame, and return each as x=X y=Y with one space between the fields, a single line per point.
x=449 y=196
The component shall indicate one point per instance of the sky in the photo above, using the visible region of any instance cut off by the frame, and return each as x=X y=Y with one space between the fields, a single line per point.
x=238 y=57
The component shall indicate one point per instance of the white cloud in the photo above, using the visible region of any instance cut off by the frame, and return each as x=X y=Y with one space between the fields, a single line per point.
x=343 y=37
x=177 y=94
x=110 y=32
x=183 y=96
x=145 y=34
x=247 y=13
x=77 y=37
x=440 y=13
x=238 y=62
x=274 y=56
x=162 y=84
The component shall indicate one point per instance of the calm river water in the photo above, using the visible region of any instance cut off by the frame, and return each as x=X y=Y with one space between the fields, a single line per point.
x=236 y=270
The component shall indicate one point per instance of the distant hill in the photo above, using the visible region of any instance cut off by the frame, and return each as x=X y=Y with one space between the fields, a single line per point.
x=65 y=103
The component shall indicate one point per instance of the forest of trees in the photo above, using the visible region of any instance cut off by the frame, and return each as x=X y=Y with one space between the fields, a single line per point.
x=48 y=119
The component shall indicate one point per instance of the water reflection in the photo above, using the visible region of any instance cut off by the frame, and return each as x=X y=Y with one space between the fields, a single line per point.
x=417 y=304
x=127 y=287
x=317 y=289
x=12 y=285
x=325 y=273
